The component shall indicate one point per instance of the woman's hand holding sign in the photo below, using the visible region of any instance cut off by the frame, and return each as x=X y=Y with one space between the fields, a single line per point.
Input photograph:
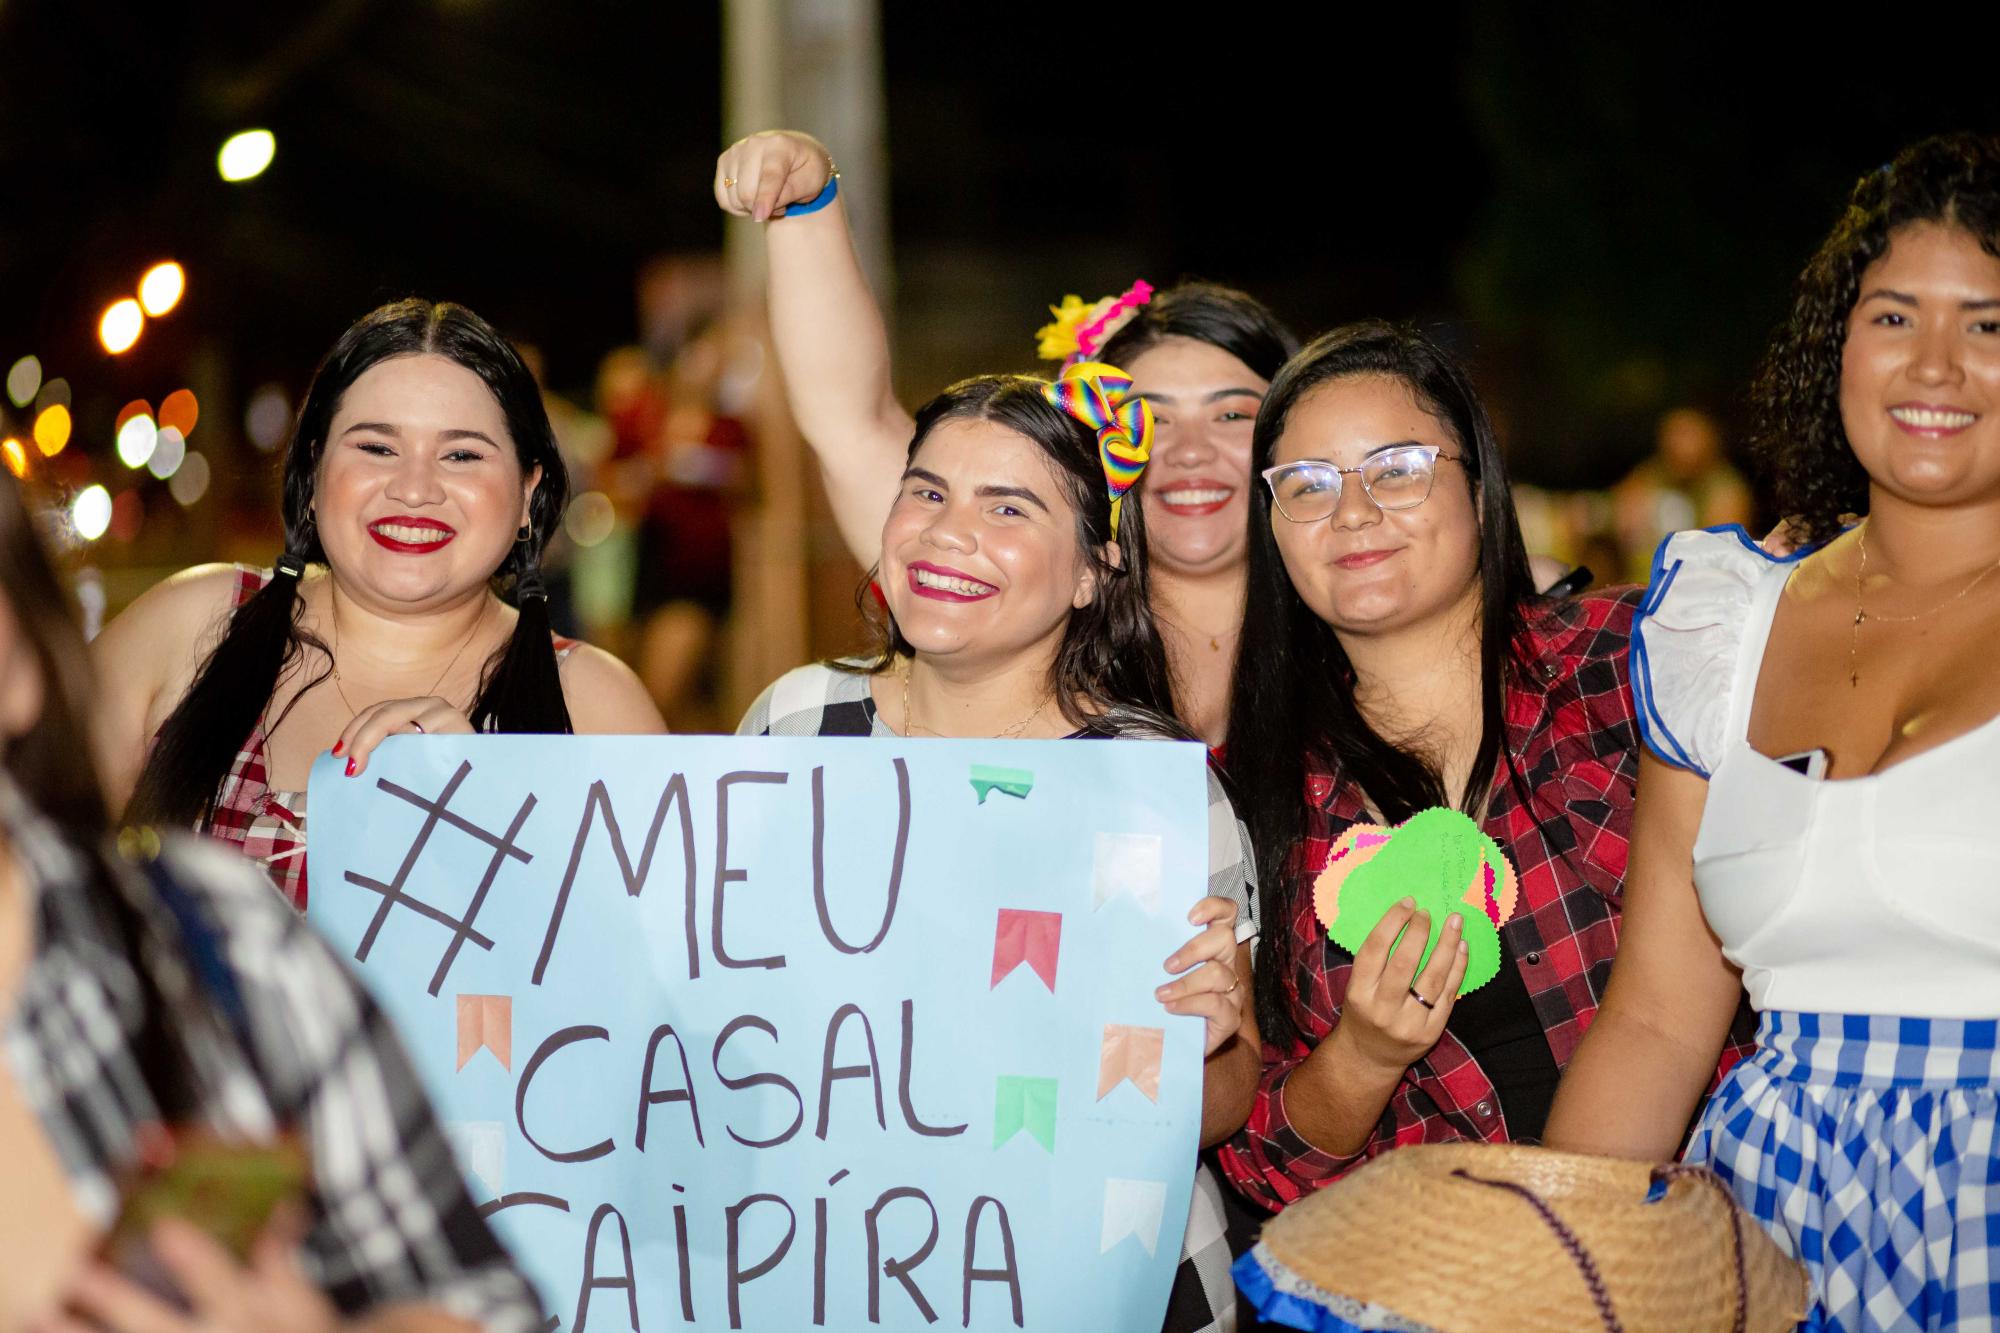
x=1209 y=985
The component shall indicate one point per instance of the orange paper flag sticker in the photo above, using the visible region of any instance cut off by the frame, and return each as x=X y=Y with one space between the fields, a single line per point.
x=1438 y=857
x=1034 y=938
x=1131 y=1053
x=486 y=1020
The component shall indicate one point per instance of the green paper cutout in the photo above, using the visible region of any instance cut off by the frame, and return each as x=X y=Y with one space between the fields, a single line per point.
x=1434 y=857
x=987 y=779
x=1021 y=1102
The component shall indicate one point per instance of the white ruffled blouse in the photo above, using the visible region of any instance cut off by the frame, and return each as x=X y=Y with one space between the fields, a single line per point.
x=1869 y=895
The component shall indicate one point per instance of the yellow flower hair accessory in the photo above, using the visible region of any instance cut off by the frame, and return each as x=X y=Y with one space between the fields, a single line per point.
x=1101 y=397
x=1078 y=330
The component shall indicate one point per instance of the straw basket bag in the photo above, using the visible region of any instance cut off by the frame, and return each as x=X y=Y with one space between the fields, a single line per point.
x=1444 y=1238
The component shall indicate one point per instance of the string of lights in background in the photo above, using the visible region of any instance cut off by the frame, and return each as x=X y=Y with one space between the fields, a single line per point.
x=144 y=439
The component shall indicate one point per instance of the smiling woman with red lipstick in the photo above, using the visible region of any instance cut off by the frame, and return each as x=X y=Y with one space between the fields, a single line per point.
x=1201 y=355
x=421 y=483
x=1817 y=821
x=1014 y=569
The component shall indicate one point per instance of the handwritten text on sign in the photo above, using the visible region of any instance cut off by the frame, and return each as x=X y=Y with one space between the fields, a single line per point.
x=774 y=1034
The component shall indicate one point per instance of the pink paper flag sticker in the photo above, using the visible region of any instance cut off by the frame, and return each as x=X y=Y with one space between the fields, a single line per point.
x=486 y=1020
x=1033 y=938
x=1130 y=1053
x=1132 y=1208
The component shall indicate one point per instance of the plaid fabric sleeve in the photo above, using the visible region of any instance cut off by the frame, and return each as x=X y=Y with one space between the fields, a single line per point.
x=391 y=1219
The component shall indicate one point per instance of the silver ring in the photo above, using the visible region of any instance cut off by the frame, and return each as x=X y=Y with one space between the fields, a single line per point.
x=1428 y=1004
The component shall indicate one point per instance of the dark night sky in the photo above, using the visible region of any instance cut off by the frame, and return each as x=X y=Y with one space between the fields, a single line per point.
x=1604 y=211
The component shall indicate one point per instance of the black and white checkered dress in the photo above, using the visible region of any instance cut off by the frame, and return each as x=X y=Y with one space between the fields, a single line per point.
x=820 y=700
x=305 y=1048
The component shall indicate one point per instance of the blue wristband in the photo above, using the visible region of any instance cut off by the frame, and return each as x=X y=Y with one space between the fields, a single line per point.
x=818 y=201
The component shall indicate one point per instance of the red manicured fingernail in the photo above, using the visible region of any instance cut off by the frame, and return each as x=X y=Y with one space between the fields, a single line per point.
x=350 y=768
x=338 y=746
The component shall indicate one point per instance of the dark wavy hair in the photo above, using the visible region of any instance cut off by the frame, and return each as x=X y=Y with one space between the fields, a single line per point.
x=1110 y=670
x=1292 y=698
x=1223 y=317
x=1798 y=436
x=520 y=690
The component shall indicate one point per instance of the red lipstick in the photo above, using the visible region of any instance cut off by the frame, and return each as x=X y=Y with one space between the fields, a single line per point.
x=947 y=594
x=399 y=535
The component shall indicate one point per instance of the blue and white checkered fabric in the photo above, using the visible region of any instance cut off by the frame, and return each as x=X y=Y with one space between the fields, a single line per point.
x=1865 y=1145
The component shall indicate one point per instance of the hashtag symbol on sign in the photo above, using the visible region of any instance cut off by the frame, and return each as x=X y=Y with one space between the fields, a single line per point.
x=437 y=812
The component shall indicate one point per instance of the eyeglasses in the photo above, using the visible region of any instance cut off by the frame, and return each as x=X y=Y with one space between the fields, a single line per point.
x=1309 y=490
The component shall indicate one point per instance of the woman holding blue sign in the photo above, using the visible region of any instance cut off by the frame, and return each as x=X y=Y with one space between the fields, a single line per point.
x=1200 y=354
x=423 y=477
x=165 y=1023
x=1013 y=567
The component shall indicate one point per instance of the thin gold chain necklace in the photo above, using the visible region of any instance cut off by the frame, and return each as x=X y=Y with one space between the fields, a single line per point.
x=334 y=603
x=910 y=722
x=1861 y=573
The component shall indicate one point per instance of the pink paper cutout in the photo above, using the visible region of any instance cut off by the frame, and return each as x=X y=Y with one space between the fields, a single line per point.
x=1034 y=938
x=486 y=1020
x=1131 y=1053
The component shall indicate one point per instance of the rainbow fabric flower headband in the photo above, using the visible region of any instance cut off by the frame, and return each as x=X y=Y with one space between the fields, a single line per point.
x=1101 y=397
x=1079 y=330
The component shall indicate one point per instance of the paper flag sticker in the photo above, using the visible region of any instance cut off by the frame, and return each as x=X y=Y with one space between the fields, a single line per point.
x=1033 y=938
x=1438 y=857
x=1021 y=1102
x=986 y=780
x=1130 y=1053
x=481 y=1148
x=1133 y=1208
x=1126 y=865
x=486 y=1020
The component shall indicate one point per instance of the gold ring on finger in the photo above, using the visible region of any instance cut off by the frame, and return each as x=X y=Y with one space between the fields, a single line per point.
x=728 y=182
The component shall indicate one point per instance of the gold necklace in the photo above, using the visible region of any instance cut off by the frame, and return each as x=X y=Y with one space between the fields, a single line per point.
x=910 y=724
x=1860 y=573
x=477 y=621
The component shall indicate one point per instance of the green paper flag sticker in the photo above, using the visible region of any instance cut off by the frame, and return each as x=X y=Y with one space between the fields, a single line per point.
x=986 y=779
x=1438 y=857
x=1021 y=1102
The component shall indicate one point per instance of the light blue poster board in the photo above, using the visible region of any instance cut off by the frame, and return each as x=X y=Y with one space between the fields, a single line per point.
x=702 y=1073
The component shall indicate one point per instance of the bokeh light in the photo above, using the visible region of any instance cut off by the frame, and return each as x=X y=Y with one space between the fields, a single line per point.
x=169 y=451
x=128 y=513
x=590 y=518
x=138 y=407
x=180 y=410
x=55 y=393
x=52 y=429
x=16 y=455
x=160 y=290
x=190 y=482
x=24 y=380
x=137 y=438
x=268 y=417
x=121 y=325
x=90 y=512
x=245 y=155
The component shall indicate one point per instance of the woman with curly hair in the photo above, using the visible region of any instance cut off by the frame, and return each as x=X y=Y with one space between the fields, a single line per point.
x=1815 y=821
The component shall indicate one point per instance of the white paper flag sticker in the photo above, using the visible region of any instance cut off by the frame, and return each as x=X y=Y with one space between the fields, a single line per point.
x=1133 y=1208
x=1126 y=865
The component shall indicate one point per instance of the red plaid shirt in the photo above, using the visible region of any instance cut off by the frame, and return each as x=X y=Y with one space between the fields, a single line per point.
x=1570 y=730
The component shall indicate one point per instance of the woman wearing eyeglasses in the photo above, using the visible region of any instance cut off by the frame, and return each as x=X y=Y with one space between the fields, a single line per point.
x=1396 y=657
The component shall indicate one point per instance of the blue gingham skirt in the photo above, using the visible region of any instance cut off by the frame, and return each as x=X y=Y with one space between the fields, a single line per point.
x=1865 y=1145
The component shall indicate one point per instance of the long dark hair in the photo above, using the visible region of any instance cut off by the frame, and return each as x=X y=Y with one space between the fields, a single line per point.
x=1223 y=317
x=1110 y=670
x=520 y=690
x=52 y=766
x=1953 y=179
x=1292 y=698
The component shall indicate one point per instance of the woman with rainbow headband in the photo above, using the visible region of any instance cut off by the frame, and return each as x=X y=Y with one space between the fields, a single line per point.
x=1014 y=577
x=1201 y=355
